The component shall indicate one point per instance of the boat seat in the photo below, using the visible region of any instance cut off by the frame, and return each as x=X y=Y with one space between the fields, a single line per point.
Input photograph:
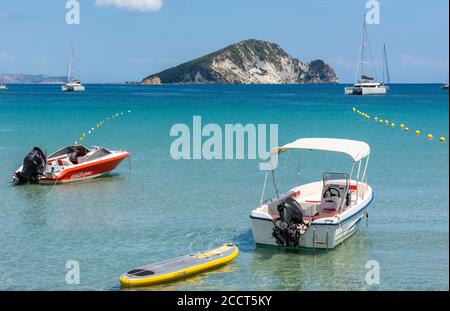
x=65 y=162
x=329 y=205
x=81 y=159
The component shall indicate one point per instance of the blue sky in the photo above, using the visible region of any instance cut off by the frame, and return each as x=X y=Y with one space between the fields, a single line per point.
x=128 y=42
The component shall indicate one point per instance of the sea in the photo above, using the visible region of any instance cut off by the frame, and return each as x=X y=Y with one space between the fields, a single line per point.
x=83 y=236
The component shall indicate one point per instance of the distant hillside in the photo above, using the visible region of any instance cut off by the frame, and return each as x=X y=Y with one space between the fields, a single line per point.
x=31 y=79
x=247 y=62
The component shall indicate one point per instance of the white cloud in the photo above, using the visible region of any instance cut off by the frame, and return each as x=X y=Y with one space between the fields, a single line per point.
x=7 y=57
x=133 y=5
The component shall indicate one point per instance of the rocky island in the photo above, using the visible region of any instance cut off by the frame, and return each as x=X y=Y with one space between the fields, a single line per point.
x=247 y=62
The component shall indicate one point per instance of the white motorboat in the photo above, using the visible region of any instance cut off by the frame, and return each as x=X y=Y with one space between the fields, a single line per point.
x=364 y=83
x=321 y=214
x=69 y=164
x=73 y=84
x=2 y=86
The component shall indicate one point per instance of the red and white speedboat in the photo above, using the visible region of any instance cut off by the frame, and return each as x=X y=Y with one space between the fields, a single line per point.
x=69 y=164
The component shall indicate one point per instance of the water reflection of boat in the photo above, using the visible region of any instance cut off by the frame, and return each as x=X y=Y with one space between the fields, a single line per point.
x=305 y=270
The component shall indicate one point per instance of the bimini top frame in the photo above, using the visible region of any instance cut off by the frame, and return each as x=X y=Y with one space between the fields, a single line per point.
x=357 y=150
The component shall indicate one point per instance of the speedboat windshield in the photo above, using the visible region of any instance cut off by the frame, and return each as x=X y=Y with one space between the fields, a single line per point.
x=98 y=153
x=81 y=150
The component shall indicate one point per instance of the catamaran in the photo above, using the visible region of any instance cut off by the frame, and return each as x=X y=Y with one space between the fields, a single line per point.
x=73 y=84
x=366 y=84
x=321 y=214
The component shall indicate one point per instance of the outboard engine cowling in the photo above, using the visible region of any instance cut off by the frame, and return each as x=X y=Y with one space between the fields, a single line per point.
x=289 y=228
x=33 y=167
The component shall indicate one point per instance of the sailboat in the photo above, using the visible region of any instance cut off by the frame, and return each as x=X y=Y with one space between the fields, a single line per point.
x=366 y=84
x=73 y=84
x=2 y=86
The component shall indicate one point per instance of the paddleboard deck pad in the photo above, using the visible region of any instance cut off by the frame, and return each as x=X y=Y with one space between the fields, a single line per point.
x=175 y=269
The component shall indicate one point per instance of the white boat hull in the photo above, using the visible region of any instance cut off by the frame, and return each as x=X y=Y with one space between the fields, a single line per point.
x=72 y=88
x=366 y=90
x=324 y=233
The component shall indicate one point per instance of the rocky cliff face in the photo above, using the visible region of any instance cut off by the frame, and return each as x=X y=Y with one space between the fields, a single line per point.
x=248 y=62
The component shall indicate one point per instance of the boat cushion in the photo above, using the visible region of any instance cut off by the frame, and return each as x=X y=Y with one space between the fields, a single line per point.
x=330 y=204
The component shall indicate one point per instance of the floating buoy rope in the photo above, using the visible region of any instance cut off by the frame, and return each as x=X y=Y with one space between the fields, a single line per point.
x=403 y=127
x=90 y=132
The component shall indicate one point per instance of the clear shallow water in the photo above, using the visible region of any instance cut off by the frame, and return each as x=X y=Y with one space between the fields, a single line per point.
x=164 y=208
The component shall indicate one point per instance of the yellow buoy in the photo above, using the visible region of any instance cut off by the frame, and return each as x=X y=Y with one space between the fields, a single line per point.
x=393 y=124
x=81 y=138
x=406 y=129
x=92 y=129
x=429 y=136
x=376 y=118
x=417 y=132
x=402 y=126
x=381 y=121
x=442 y=139
x=387 y=122
x=83 y=135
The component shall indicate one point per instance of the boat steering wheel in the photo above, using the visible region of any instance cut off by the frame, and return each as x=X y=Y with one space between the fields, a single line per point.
x=331 y=192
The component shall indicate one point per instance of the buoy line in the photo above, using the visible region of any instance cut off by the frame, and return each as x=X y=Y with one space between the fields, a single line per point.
x=90 y=132
x=403 y=127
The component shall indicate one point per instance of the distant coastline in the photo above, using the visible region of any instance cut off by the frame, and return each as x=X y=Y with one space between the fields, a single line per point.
x=31 y=79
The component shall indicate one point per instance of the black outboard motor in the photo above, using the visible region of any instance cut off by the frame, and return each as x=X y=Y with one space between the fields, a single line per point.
x=288 y=229
x=33 y=166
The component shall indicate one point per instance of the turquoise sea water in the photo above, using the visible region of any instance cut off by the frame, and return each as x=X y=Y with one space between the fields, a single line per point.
x=163 y=208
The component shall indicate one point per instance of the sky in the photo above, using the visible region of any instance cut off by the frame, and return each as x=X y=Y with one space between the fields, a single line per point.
x=127 y=40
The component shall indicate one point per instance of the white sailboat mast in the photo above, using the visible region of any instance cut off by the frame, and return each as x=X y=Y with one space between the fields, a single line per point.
x=69 y=74
x=361 y=56
x=386 y=66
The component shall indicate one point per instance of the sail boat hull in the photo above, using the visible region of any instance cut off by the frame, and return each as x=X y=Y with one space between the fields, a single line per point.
x=366 y=90
x=72 y=88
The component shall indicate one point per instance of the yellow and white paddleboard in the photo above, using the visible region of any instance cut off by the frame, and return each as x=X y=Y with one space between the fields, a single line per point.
x=174 y=269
